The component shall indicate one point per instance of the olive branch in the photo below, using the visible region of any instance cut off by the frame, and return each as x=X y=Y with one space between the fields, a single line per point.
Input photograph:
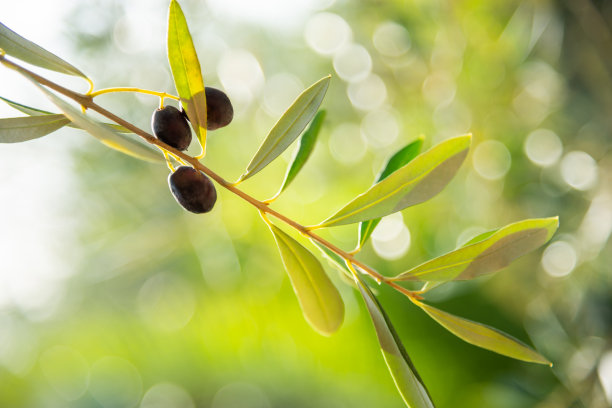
x=408 y=178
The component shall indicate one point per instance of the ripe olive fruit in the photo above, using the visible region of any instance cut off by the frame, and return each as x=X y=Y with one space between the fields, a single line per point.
x=192 y=189
x=169 y=126
x=219 y=110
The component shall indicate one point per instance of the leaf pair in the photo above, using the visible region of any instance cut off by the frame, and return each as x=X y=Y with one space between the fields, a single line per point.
x=41 y=123
x=486 y=253
x=414 y=183
x=288 y=128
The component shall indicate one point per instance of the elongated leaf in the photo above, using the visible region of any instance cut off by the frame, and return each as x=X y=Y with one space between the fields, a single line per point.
x=305 y=146
x=407 y=380
x=15 y=130
x=319 y=299
x=417 y=181
x=288 y=127
x=487 y=255
x=28 y=110
x=25 y=50
x=484 y=336
x=113 y=140
x=186 y=71
x=398 y=160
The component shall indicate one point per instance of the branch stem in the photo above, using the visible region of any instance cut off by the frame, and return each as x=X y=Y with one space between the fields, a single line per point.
x=86 y=100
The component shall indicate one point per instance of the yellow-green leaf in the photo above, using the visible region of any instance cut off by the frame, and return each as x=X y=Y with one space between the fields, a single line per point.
x=113 y=140
x=407 y=380
x=186 y=71
x=417 y=181
x=288 y=127
x=319 y=299
x=17 y=46
x=490 y=253
x=15 y=130
x=484 y=336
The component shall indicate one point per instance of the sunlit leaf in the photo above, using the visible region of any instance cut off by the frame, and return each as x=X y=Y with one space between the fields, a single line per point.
x=186 y=71
x=418 y=181
x=407 y=380
x=15 y=130
x=487 y=255
x=398 y=160
x=319 y=299
x=484 y=336
x=28 y=110
x=305 y=146
x=25 y=50
x=288 y=127
x=112 y=139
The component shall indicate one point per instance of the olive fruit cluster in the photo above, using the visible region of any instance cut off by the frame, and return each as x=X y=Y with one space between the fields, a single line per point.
x=171 y=126
x=191 y=188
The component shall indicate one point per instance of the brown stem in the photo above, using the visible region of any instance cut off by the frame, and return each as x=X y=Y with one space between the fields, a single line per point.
x=87 y=102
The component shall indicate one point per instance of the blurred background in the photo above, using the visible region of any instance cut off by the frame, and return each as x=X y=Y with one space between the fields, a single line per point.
x=112 y=296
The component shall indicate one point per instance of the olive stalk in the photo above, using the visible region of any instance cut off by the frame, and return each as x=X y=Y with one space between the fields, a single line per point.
x=86 y=101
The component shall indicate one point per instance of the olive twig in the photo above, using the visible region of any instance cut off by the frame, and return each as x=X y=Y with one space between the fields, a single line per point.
x=263 y=207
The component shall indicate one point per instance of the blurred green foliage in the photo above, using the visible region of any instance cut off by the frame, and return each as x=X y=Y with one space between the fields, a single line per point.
x=164 y=308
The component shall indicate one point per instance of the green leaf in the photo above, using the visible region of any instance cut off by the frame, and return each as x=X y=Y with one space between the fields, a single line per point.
x=288 y=127
x=484 y=336
x=15 y=130
x=305 y=146
x=28 y=110
x=113 y=140
x=398 y=160
x=487 y=255
x=417 y=181
x=186 y=71
x=319 y=299
x=17 y=46
x=407 y=380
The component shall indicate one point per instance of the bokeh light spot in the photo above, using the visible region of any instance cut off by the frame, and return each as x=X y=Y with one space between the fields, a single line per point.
x=380 y=128
x=491 y=160
x=166 y=395
x=543 y=147
x=326 y=33
x=579 y=170
x=368 y=94
x=115 y=383
x=391 y=39
x=391 y=237
x=166 y=302
x=346 y=144
x=353 y=63
x=240 y=395
x=559 y=259
x=279 y=92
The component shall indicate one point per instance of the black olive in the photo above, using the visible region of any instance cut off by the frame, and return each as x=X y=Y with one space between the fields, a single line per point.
x=169 y=126
x=192 y=189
